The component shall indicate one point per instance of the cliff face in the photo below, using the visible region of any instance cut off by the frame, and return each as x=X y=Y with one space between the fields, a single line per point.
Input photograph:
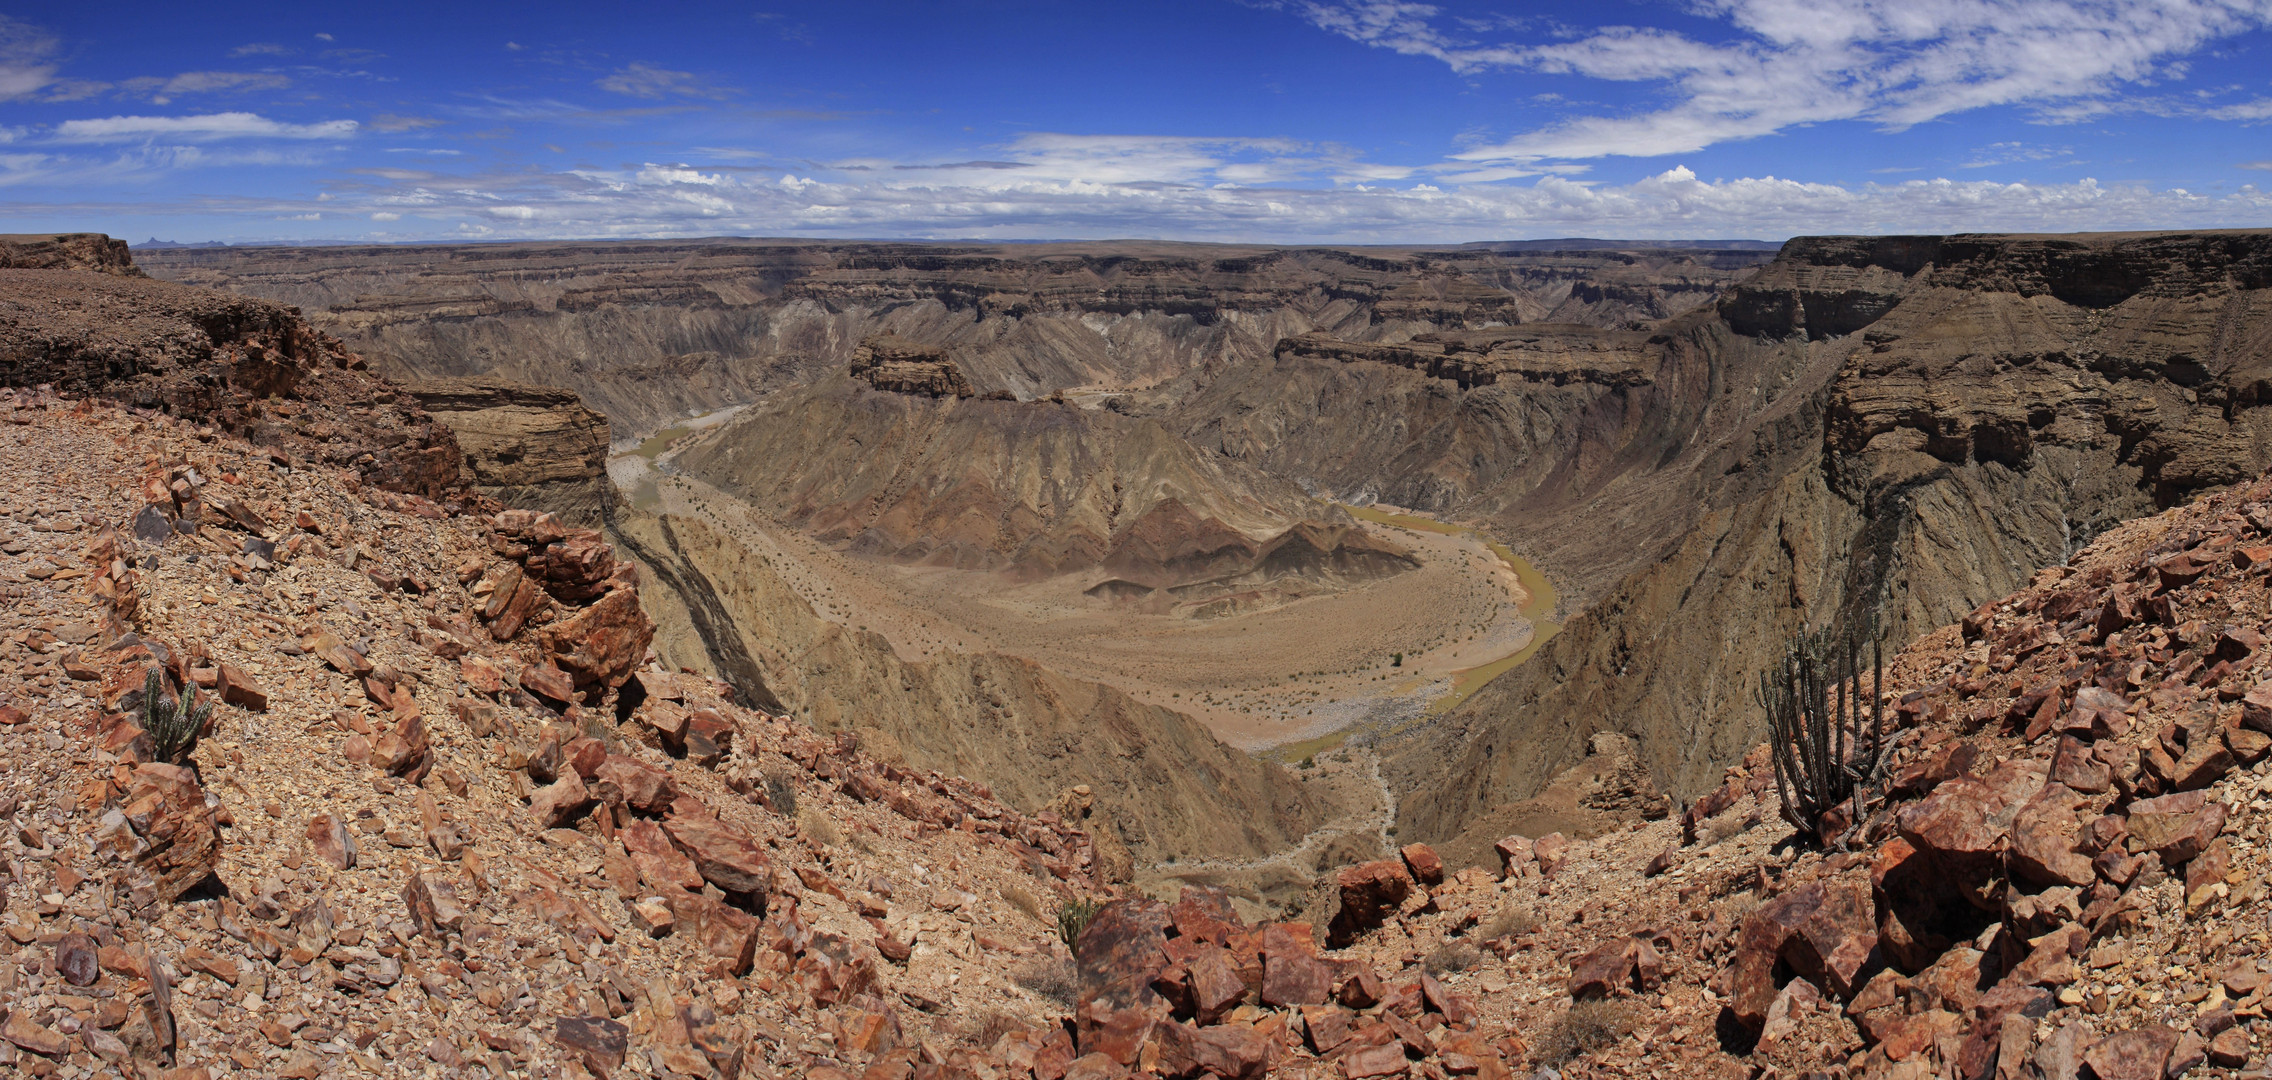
x=92 y=252
x=1926 y=420
x=651 y=331
x=536 y=447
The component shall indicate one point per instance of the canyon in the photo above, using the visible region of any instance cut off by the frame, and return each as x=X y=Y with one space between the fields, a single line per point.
x=1354 y=651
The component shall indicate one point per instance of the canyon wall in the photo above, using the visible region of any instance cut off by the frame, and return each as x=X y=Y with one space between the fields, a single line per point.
x=1928 y=421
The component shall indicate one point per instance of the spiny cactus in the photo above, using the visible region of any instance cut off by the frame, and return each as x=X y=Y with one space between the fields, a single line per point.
x=1829 y=743
x=173 y=725
x=1073 y=918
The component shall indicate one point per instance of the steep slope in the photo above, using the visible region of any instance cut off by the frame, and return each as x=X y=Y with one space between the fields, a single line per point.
x=1163 y=784
x=1037 y=487
x=1912 y=424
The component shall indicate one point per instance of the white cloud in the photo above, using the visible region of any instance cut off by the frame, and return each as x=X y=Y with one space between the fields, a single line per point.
x=164 y=91
x=261 y=48
x=647 y=81
x=683 y=200
x=27 y=59
x=203 y=128
x=1789 y=63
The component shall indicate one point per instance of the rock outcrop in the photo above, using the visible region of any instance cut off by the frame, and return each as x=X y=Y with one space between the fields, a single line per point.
x=92 y=252
x=245 y=366
x=889 y=362
x=534 y=447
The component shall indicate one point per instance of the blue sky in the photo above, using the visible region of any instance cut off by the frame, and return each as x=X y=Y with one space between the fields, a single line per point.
x=1270 y=120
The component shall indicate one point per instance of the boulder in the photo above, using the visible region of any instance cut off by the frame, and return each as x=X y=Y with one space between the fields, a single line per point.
x=622 y=781
x=329 y=840
x=561 y=802
x=725 y=856
x=1514 y=855
x=2177 y=827
x=1603 y=970
x=180 y=843
x=1822 y=931
x=2046 y=840
x=433 y=904
x=2138 y=1054
x=1961 y=827
x=1369 y=893
x=602 y=643
x=1427 y=868
x=1116 y=957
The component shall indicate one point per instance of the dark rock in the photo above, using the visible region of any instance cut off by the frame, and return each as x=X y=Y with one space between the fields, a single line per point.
x=600 y=1042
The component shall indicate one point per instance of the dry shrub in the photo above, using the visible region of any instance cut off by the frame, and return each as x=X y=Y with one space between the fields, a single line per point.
x=1023 y=899
x=815 y=826
x=1725 y=827
x=1049 y=977
x=781 y=794
x=1452 y=956
x=1587 y=1027
x=1512 y=920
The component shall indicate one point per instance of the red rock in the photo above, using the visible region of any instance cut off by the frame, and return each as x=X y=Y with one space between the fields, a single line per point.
x=180 y=835
x=2207 y=869
x=1427 y=868
x=547 y=681
x=1822 y=931
x=2247 y=557
x=1216 y=988
x=236 y=689
x=1117 y=1035
x=1603 y=970
x=725 y=934
x=2230 y=1048
x=561 y=802
x=1378 y=1061
x=661 y=865
x=2175 y=826
x=584 y=755
x=2098 y=713
x=1360 y=989
x=1946 y=761
x=1960 y=827
x=1550 y=851
x=2052 y=961
x=2256 y=707
x=1456 y=1009
x=1327 y=1025
x=602 y=643
x=1205 y=914
x=1514 y=855
x=25 y=1032
x=76 y=961
x=2046 y=840
x=2074 y=765
x=1295 y=977
x=481 y=676
x=1370 y=893
x=1118 y=956
x=629 y=782
x=725 y=856
x=329 y=840
x=404 y=750
x=433 y=904
x=600 y=1042
x=2138 y=1054
x=1231 y=1051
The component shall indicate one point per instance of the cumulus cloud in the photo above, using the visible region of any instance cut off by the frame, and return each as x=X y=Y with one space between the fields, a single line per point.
x=204 y=128
x=1788 y=63
x=27 y=59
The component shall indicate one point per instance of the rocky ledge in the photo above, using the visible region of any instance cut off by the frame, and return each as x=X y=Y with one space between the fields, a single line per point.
x=889 y=362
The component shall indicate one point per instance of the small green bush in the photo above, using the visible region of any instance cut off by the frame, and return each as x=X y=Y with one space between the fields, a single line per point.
x=173 y=725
